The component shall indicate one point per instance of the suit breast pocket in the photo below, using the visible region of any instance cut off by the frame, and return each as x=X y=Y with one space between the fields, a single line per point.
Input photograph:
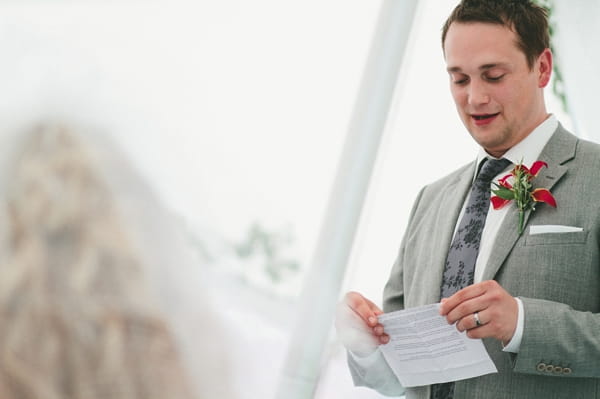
x=570 y=238
x=561 y=267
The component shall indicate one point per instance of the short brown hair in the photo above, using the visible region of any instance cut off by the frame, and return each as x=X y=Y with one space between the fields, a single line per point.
x=527 y=19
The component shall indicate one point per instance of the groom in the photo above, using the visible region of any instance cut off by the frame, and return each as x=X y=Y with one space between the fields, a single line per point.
x=533 y=297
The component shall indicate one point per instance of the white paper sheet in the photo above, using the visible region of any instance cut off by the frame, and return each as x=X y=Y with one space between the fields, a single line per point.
x=424 y=349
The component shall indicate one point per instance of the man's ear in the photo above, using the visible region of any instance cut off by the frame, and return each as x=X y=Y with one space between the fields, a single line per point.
x=544 y=67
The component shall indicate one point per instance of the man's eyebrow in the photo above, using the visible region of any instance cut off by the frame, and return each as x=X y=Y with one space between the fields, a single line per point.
x=483 y=67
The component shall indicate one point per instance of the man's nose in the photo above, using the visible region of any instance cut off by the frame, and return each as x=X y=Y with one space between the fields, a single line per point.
x=478 y=94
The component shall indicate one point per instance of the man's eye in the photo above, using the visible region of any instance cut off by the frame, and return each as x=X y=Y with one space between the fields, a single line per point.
x=494 y=78
x=460 y=81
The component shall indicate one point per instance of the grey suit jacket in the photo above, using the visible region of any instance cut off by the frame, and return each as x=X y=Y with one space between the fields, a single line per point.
x=556 y=275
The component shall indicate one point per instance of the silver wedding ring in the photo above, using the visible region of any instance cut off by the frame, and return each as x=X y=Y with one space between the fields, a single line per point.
x=478 y=322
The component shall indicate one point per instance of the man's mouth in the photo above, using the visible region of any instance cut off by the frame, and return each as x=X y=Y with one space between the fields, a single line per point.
x=484 y=116
x=484 y=119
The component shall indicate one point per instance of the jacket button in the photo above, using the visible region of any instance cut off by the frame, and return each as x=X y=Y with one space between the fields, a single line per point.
x=542 y=367
x=558 y=369
x=567 y=370
x=549 y=368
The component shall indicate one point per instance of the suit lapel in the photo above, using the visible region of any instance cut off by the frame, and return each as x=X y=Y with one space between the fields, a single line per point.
x=558 y=151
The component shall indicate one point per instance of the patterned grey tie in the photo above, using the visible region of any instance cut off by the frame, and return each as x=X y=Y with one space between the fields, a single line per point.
x=462 y=255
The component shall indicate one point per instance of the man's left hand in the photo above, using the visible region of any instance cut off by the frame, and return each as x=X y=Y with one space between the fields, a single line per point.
x=487 y=301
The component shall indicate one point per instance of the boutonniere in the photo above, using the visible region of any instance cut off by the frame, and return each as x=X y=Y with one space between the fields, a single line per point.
x=517 y=186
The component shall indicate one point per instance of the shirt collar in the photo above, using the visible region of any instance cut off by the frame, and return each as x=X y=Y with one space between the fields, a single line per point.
x=528 y=150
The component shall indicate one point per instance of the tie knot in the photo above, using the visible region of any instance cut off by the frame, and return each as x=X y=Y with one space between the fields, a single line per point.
x=491 y=168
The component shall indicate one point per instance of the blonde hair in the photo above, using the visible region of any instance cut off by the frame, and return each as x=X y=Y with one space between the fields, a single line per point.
x=78 y=320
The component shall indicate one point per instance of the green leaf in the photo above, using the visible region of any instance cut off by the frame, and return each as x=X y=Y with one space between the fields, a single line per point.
x=504 y=193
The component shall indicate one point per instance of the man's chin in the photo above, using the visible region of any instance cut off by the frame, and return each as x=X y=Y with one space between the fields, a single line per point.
x=492 y=147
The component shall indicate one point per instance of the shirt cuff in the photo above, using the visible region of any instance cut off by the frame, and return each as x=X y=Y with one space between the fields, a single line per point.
x=515 y=343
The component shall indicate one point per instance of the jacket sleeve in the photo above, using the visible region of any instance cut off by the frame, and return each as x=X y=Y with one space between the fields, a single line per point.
x=374 y=372
x=558 y=341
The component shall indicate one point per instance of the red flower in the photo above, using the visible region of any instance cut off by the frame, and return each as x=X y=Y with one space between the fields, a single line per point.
x=543 y=195
x=535 y=168
x=498 y=202
x=521 y=191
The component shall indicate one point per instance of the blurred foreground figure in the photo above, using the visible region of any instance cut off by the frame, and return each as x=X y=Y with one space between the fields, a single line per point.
x=86 y=309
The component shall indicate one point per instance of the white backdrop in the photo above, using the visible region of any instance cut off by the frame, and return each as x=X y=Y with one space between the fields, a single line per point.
x=578 y=54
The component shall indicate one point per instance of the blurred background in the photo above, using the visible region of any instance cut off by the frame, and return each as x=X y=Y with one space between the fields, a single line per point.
x=235 y=114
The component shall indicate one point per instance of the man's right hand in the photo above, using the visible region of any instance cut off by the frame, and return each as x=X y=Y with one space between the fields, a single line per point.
x=357 y=326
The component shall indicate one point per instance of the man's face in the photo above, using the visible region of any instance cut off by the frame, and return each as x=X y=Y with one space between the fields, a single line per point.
x=498 y=97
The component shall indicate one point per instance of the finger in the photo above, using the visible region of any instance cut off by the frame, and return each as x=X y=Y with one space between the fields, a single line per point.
x=467 y=308
x=372 y=306
x=363 y=307
x=484 y=331
x=380 y=334
x=472 y=291
x=384 y=339
x=471 y=321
